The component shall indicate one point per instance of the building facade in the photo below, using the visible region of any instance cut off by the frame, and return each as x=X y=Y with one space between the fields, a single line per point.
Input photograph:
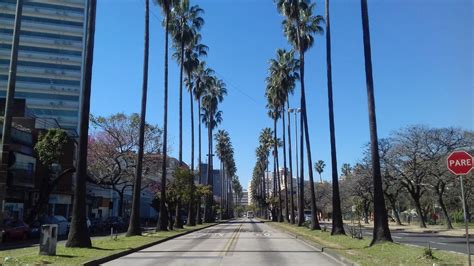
x=50 y=58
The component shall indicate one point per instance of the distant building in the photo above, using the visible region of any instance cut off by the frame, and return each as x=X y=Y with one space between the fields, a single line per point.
x=217 y=180
x=50 y=58
x=26 y=175
x=244 y=201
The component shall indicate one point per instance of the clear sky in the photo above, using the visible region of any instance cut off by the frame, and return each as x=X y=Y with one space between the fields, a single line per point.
x=422 y=52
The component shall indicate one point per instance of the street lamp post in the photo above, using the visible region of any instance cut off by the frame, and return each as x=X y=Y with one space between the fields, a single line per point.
x=296 y=111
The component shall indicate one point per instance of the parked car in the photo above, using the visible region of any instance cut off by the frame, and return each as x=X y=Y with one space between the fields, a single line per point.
x=115 y=222
x=14 y=230
x=97 y=226
x=61 y=221
x=307 y=216
x=88 y=223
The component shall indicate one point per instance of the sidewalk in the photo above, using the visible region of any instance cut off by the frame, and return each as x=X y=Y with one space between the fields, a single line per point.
x=433 y=229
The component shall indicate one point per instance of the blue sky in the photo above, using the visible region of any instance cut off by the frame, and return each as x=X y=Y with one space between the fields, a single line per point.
x=422 y=52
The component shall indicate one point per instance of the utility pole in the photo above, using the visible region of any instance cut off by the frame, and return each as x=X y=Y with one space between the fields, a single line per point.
x=7 y=117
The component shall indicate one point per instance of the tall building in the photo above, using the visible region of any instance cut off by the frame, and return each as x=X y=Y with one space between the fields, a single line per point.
x=50 y=59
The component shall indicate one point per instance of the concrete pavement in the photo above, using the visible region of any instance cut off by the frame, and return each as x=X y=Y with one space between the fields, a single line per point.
x=239 y=242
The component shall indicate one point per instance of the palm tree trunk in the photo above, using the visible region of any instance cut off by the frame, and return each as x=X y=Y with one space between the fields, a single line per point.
x=285 y=172
x=280 y=207
x=210 y=198
x=78 y=236
x=337 y=223
x=7 y=116
x=381 y=230
x=301 y=207
x=180 y=147
x=199 y=214
x=163 y=221
x=222 y=191
x=134 y=227
x=191 y=214
x=179 y=220
x=292 y=203
x=314 y=218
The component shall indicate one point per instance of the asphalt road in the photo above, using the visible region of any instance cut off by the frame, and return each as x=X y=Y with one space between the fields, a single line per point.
x=239 y=242
x=450 y=243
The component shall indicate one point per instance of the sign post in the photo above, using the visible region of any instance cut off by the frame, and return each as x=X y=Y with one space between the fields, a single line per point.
x=460 y=163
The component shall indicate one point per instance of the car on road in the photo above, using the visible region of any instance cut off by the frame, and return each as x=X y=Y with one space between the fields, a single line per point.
x=250 y=214
x=14 y=230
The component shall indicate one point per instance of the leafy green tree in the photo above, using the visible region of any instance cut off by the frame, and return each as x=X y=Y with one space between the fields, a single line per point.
x=50 y=148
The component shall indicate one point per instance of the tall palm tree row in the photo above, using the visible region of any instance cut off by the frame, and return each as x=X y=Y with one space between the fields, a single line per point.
x=134 y=227
x=300 y=25
x=222 y=150
x=202 y=77
x=283 y=74
x=211 y=117
x=185 y=22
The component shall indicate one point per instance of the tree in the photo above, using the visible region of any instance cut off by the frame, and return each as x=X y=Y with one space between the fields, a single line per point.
x=381 y=230
x=50 y=149
x=202 y=80
x=9 y=100
x=337 y=223
x=211 y=117
x=299 y=26
x=134 y=227
x=319 y=167
x=222 y=149
x=112 y=150
x=166 y=6
x=282 y=76
x=78 y=236
x=185 y=21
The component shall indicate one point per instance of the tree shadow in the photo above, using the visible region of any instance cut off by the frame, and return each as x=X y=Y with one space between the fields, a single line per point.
x=104 y=249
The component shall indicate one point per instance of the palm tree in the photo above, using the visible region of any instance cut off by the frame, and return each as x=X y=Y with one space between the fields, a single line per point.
x=192 y=52
x=202 y=79
x=134 y=227
x=212 y=96
x=222 y=146
x=299 y=26
x=319 y=167
x=166 y=6
x=8 y=111
x=283 y=75
x=265 y=140
x=381 y=231
x=337 y=223
x=184 y=24
x=78 y=236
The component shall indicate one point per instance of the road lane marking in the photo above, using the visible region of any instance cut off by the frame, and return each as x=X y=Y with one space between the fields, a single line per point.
x=232 y=241
x=227 y=245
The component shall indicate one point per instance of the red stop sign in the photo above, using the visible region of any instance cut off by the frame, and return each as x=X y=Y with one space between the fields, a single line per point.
x=459 y=162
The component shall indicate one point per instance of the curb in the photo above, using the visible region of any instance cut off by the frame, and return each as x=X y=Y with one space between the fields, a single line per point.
x=334 y=255
x=130 y=251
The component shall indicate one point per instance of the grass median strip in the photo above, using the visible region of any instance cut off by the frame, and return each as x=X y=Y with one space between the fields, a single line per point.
x=101 y=247
x=359 y=251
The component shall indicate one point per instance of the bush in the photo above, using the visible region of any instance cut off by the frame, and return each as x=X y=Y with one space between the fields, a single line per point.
x=457 y=216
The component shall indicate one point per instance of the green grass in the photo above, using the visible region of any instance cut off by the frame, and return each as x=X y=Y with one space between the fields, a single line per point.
x=101 y=247
x=359 y=251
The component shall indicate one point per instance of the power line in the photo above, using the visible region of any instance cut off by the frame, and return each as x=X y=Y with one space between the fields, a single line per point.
x=235 y=87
